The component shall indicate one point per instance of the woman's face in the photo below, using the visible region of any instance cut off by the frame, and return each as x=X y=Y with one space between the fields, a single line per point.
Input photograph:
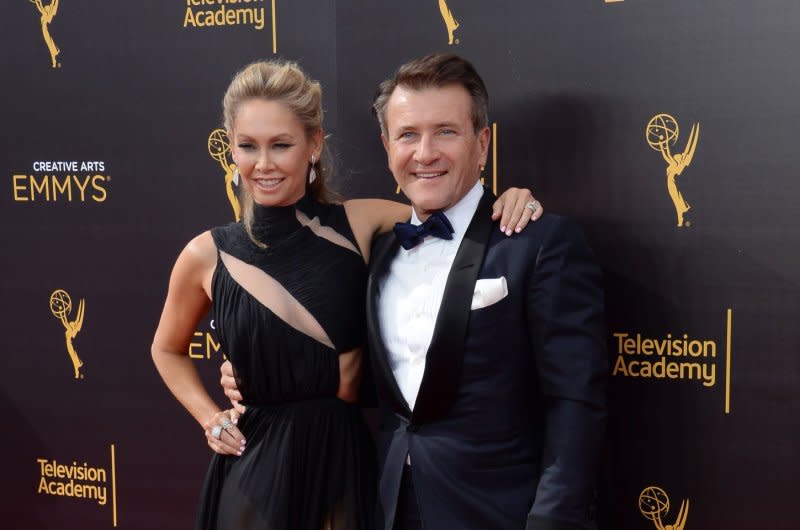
x=272 y=151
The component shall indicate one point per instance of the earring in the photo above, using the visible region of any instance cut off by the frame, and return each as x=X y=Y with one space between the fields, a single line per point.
x=236 y=176
x=312 y=175
x=482 y=168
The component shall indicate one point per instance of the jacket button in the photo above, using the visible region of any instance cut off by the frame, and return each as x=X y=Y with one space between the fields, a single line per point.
x=413 y=427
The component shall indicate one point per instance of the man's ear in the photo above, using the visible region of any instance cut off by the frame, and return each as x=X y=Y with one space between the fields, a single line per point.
x=483 y=141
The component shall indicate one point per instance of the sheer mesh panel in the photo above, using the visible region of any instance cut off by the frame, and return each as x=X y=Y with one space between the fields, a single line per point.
x=275 y=297
x=326 y=232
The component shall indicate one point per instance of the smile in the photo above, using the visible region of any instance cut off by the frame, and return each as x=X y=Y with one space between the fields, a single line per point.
x=267 y=184
x=428 y=174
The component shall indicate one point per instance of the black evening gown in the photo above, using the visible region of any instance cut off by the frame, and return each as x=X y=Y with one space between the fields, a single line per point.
x=283 y=315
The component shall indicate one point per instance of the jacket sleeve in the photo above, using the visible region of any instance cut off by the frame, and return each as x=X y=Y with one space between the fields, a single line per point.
x=565 y=316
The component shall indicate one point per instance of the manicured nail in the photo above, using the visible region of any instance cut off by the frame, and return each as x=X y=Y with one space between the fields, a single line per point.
x=238 y=453
x=503 y=228
x=518 y=229
x=508 y=232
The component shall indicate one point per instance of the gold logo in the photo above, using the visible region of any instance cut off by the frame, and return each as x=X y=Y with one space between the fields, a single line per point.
x=48 y=13
x=219 y=148
x=203 y=14
x=449 y=21
x=661 y=133
x=654 y=505
x=61 y=307
x=80 y=481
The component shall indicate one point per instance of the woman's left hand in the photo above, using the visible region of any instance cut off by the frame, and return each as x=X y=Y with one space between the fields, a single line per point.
x=516 y=208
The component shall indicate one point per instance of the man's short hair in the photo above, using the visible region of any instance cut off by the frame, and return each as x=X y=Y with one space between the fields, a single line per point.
x=435 y=71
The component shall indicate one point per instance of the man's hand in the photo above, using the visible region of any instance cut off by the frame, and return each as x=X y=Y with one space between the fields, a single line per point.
x=228 y=383
x=515 y=208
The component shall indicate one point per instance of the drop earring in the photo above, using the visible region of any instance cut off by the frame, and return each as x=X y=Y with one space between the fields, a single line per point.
x=312 y=175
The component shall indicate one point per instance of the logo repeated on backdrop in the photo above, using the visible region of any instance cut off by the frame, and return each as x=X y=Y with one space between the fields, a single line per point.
x=494 y=164
x=61 y=308
x=673 y=357
x=654 y=506
x=219 y=148
x=47 y=14
x=79 y=480
x=204 y=344
x=62 y=181
x=449 y=22
x=662 y=132
x=225 y=13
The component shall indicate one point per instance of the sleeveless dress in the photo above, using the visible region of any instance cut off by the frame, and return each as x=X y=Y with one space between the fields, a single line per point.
x=283 y=315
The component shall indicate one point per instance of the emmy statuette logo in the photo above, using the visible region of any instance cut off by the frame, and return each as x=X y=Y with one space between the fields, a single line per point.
x=661 y=133
x=219 y=148
x=61 y=307
x=48 y=13
x=654 y=505
x=449 y=21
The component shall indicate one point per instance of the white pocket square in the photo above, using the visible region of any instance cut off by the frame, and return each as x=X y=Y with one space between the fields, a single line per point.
x=489 y=291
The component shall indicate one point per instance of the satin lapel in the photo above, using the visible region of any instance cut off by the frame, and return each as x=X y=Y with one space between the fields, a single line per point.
x=446 y=353
x=383 y=252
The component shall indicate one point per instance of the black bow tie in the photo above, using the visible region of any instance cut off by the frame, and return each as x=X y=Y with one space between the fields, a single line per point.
x=436 y=225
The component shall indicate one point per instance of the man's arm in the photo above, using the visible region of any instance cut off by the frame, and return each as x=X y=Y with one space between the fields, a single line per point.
x=565 y=314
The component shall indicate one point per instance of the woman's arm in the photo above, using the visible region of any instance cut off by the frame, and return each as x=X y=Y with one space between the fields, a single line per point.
x=370 y=217
x=188 y=299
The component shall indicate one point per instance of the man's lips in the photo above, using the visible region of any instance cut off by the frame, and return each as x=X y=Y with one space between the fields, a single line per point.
x=428 y=174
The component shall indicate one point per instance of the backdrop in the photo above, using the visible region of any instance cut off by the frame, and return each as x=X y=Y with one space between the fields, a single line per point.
x=667 y=128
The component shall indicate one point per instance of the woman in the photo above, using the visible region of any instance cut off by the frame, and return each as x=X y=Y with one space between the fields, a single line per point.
x=286 y=290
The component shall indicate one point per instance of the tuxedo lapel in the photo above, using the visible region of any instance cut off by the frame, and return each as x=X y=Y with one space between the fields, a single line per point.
x=445 y=357
x=383 y=252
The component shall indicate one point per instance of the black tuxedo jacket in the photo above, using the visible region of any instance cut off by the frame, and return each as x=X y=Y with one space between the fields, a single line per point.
x=508 y=422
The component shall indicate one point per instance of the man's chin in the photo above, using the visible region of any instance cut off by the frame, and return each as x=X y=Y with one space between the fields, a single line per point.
x=427 y=206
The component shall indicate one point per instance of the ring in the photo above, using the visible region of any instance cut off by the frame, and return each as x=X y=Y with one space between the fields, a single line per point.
x=216 y=432
x=533 y=206
x=227 y=424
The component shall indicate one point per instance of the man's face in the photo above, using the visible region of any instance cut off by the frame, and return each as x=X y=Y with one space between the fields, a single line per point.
x=434 y=153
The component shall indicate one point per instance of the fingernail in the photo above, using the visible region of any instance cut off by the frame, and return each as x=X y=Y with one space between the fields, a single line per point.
x=241 y=449
x=518 y=229
x=508 y=232
x=238 y=453
x=244 y=441
x=503 y=228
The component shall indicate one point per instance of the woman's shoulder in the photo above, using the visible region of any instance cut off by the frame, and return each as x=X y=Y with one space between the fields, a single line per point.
x=226 y=235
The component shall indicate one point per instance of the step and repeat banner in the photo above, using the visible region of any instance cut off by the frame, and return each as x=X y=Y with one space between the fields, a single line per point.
x=667 y=128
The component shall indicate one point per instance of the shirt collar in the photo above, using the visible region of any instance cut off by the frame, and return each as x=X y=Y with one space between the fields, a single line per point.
x=461 y=213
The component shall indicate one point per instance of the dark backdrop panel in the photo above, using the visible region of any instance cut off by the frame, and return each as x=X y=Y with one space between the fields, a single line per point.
x=573 y=87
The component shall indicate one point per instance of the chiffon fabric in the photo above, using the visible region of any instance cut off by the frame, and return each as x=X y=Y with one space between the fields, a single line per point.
x=283 y=315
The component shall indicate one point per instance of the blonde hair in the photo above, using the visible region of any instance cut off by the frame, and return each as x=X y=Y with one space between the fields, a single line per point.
x=282 y=81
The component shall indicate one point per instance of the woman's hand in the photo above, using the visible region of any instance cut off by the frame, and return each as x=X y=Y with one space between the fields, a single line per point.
x=515 y=208
x=222 y=435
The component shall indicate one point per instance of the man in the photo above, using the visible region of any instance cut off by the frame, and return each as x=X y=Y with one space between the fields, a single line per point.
x=487 y=351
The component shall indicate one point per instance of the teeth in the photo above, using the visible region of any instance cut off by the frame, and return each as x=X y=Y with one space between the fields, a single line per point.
x=429 y=175
x=267 y=183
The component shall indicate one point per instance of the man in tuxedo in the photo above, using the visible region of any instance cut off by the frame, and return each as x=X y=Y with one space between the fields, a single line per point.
x=488 y=352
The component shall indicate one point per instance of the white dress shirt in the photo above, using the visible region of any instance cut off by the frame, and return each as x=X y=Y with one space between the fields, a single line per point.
x=411 y=294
